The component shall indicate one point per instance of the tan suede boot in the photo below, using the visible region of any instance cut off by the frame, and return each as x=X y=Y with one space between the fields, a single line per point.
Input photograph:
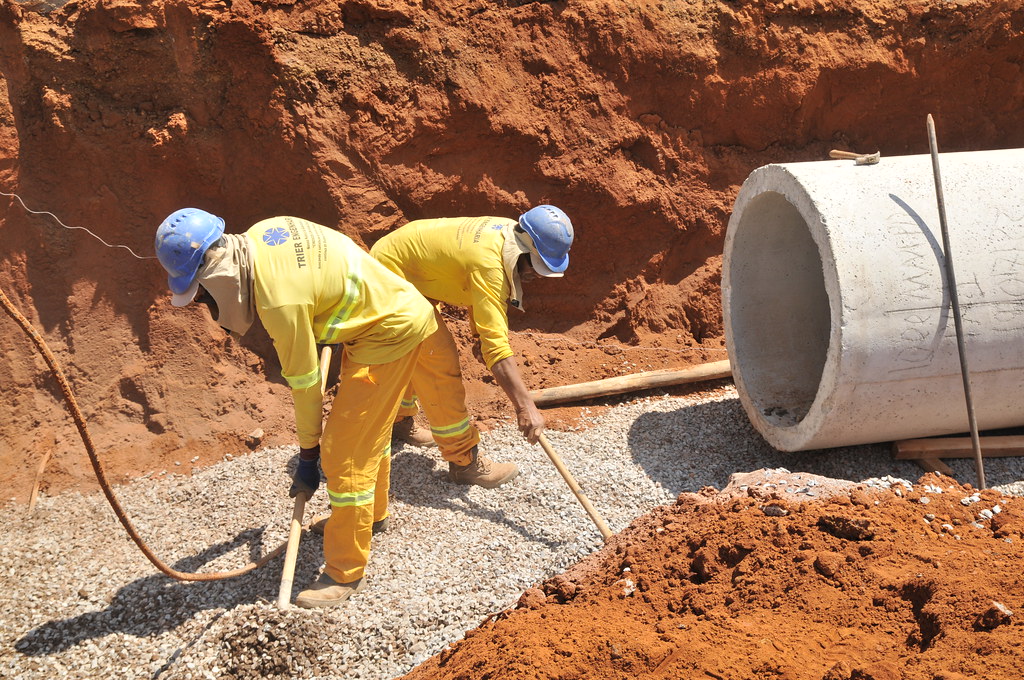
x=482 y=471
x=326 y=592
x=407 y=430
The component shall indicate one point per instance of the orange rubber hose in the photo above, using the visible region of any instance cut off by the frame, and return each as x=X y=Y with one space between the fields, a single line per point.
x=76 y=415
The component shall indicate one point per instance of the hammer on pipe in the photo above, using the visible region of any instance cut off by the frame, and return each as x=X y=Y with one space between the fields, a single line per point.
x=606 y=533
x=954 y=298
x=857 y=158
x=284 y=593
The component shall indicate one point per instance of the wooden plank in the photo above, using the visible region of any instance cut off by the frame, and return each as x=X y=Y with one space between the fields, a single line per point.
x=631 y=383
x=934 y=465
x=50 y=437
x=34 y=496
x=959 y=447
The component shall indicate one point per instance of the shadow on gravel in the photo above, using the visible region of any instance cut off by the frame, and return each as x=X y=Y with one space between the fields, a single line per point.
x=702 y=445
x=414 y=482
x=155 y=604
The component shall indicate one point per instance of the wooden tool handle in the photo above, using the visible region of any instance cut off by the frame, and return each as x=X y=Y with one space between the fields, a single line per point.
x=844 y=155
x=325 y=364
x=606 y=533
x=284 y=595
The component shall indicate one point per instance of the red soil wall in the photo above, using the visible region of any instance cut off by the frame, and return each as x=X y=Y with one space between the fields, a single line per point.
x=639 y=119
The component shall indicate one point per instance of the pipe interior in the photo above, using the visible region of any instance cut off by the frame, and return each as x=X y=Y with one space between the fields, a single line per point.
x=779 y=309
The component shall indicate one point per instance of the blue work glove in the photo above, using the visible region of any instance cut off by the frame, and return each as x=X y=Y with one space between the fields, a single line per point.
x=307 y=474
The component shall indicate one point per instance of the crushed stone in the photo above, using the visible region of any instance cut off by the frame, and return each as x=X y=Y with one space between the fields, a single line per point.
x=79 y=600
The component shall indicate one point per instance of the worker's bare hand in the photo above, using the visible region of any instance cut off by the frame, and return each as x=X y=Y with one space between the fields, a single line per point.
x=531 y=423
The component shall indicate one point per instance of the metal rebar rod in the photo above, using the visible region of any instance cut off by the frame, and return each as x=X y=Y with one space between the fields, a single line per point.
x=957 y=321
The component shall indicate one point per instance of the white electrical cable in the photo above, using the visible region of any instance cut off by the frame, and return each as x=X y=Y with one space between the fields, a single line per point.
x=44 y=212
x=591 y=345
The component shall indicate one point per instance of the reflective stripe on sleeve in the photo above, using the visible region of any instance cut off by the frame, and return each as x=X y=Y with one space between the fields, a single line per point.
x=301 y=382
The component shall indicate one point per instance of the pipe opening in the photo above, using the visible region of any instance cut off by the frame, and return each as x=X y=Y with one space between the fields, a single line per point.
x=779 y=309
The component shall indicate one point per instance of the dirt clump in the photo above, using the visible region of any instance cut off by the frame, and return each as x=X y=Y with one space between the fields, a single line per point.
x=906 y=582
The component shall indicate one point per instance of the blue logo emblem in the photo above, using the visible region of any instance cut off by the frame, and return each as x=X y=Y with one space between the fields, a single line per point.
x=496 y=227
x=275 y=236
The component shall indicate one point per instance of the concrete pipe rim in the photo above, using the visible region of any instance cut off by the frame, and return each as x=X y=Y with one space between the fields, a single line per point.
x=779 y=324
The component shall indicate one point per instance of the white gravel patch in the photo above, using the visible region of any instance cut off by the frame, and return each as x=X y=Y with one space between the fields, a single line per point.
x=80 y=601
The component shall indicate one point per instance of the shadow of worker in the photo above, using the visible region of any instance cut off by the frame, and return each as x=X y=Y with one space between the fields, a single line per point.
x=704 y=444
x=415 y=482
x=155 y=604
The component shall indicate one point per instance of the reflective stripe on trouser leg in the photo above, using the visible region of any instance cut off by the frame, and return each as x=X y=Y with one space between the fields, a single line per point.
x=437 y=381
x=380 y=497
x=410 y=406
x=356 y=438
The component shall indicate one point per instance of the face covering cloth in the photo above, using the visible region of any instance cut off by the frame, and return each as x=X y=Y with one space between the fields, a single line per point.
x=227 y=273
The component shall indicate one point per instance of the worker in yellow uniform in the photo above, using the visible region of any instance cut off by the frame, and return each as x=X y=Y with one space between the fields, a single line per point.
x=479 y=263
x=310 y=285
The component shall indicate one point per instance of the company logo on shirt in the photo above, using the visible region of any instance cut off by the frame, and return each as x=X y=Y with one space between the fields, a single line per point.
x=275 y=236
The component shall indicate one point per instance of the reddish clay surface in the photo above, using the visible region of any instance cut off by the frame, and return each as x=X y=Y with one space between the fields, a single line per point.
x=641 y=120
x=359 y=115
x=867 y=585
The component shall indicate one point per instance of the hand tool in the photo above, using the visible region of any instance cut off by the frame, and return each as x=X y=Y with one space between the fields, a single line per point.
x=606 y=533
x=858 y=158
x=284 y=594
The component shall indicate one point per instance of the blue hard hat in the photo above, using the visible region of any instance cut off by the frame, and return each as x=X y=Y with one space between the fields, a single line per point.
x=181 y=241
x=551 y=232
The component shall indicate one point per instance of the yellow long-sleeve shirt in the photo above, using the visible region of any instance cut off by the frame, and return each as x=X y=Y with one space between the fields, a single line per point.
x=458 y=261
x=314 y=285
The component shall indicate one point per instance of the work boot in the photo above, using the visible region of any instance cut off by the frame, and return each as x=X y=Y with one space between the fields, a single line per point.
x=407 y=430
x=482 y=471
x=326 y=592
x=379 y=527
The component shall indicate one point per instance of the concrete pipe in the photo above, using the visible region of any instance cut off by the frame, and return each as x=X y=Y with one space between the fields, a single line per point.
x=837 y=313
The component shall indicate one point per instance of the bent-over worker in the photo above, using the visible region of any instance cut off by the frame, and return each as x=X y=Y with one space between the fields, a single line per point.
x=479 y=263
x=310 y=285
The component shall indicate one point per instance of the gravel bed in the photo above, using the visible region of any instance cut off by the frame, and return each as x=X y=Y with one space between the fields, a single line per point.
x=80 y=601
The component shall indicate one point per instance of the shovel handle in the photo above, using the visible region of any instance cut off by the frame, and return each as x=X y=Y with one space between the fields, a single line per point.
x=284 y=594
x=606 y=533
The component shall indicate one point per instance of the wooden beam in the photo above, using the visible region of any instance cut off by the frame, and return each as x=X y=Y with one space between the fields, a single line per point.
x=34 y=496
x=51 y=443
x=959 y=447
x=631 y=383
x=935 y=465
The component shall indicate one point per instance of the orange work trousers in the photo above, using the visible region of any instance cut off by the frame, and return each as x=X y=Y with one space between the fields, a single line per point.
x=437 y=386
x=355 y=454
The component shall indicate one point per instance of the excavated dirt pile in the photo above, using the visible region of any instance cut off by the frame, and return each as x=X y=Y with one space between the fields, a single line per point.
x=914 y=582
